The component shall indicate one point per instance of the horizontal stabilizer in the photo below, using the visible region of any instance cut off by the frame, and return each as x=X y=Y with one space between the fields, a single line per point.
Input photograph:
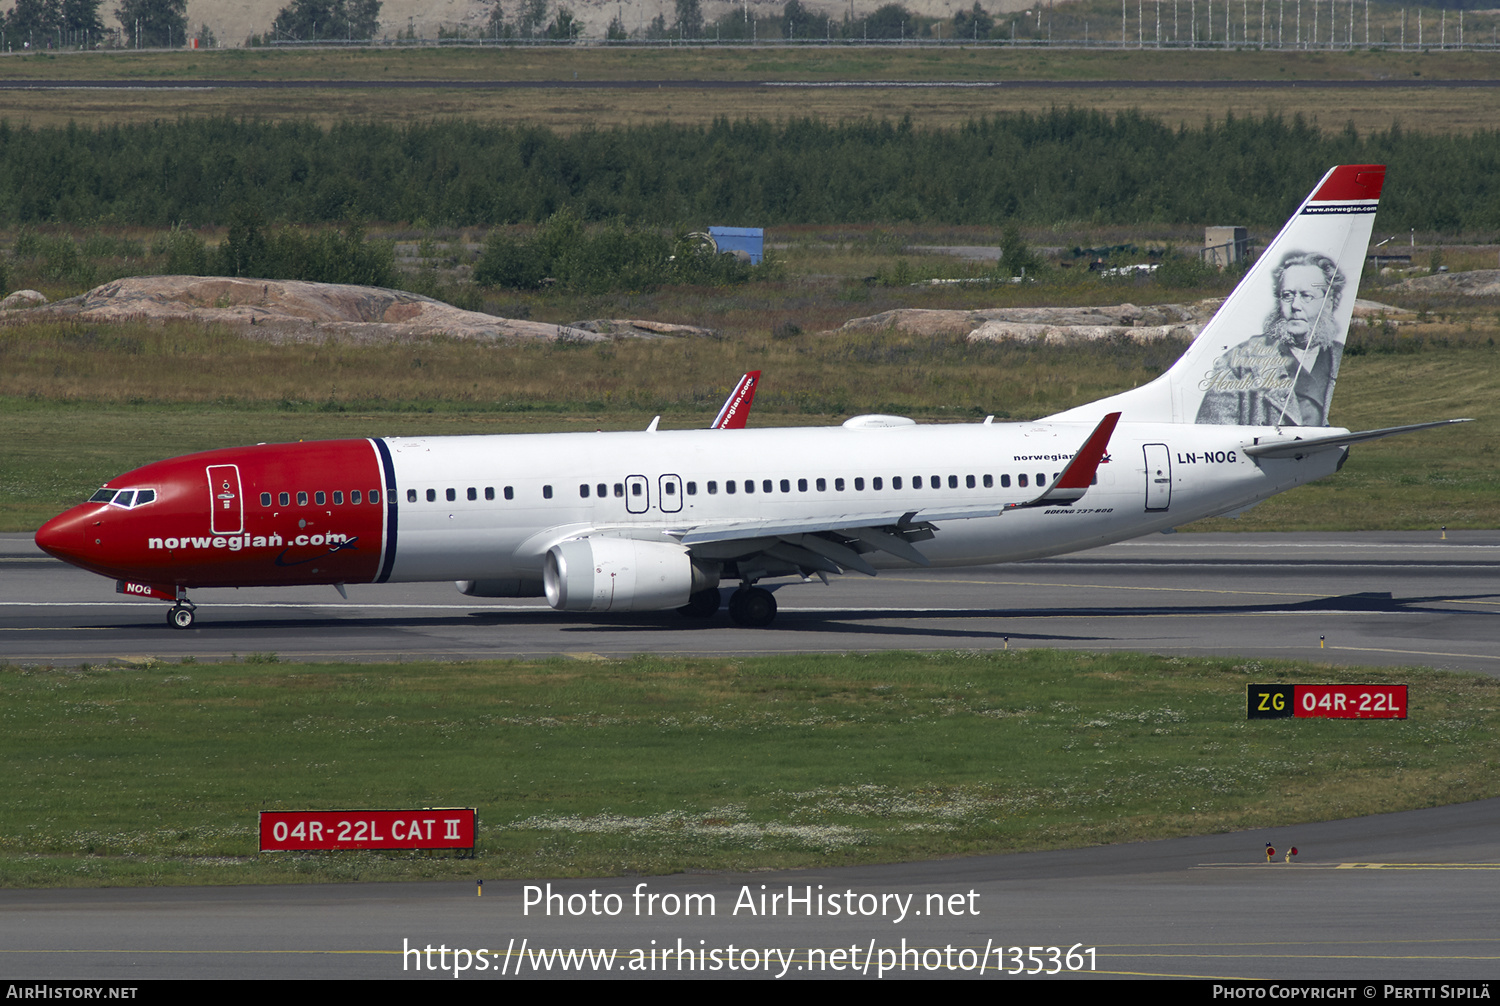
x=1310 y=445
x=1075 y=479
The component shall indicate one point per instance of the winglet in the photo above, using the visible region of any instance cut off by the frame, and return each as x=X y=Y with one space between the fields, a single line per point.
x=1075 y=479
x=737 y=406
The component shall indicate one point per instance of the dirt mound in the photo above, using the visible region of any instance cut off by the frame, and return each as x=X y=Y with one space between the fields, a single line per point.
x=294 y=311
x=639 y=328
x=1065 y=325
x=1047 y=324
x=1478 y=283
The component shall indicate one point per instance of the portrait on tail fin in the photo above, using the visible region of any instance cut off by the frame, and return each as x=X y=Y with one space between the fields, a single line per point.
x=1284 y=376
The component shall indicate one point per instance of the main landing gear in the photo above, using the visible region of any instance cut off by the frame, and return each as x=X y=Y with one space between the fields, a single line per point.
x=752 y=607
x=181 y=616
x=703 y=604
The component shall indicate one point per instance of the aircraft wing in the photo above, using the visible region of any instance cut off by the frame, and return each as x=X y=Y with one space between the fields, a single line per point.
x=834 y=542
x=1301 y=447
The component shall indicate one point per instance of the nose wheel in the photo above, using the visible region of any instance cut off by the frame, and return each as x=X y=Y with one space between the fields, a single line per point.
x=180 y=617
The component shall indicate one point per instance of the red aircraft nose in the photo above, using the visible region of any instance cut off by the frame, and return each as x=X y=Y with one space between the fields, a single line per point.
x=75 y=536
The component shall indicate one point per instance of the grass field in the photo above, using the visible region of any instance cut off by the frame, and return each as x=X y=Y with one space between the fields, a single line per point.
x=153 y=773
x=1448 y=109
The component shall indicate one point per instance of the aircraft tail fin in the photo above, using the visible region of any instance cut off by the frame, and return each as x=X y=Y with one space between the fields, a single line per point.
x=1270 y=354
x=737 y=406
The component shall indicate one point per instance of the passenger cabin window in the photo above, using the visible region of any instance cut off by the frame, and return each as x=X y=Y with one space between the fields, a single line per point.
x=729 y=487
x=692 y=488
x=859 y=485
x=374 y=496
x=602 y=489
x=411 y=495
x=838 y=485
x=1005 y=482
x=953 y=481
x=765 y=485
x=338 y=498
x=749 y=485
x=473 y=493
x=583 y=491
x=354 y=497
x=285 y=499
x=302 y=499
x=265 y=499
x=713 y=488
x=875 y=483
x=786 y=485
x=802 y=485
x=451 y=495
x=969 y=481
x=510 y=492
x=989 y=481
x=432 y=495
x=896 y=482
x=489 y=492
x=1021 y=481
x=822 y=485
x=671 y=488
x=320 y=498
x=546 y=492
x=916 y=481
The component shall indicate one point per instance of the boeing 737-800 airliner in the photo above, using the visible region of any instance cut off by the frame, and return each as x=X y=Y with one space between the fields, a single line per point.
x=659 y=519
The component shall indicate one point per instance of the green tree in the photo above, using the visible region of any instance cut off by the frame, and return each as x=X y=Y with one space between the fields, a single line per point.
x=800 y=22
x=531 y=17
x=973 y=24
x=564 y=26
x=33 y=20
x=1016 y=258
x=890 y=21
x=311 y=19
x=154 y=23
x=689 y=18
x=82 y=16
x=616 y=31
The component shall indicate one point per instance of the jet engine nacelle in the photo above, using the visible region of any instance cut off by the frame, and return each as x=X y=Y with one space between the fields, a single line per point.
x=620 y=574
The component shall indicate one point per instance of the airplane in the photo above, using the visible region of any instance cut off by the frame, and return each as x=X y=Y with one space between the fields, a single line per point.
x=659 y=519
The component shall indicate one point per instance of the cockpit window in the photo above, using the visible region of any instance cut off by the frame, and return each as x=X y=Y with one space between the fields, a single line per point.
x=127 y=498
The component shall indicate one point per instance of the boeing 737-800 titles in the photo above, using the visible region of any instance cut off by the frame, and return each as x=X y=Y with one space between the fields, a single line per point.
x=659 y=519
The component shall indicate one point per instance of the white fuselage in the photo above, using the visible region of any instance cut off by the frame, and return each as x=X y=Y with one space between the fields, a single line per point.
x=1157 y=476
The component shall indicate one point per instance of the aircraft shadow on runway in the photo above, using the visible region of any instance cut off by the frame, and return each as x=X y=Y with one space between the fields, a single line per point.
x=914 y=622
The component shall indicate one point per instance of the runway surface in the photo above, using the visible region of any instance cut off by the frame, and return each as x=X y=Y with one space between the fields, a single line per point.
x=1401 y=896
x=1404 y=896
x=1374 y=598
x=130 y=84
